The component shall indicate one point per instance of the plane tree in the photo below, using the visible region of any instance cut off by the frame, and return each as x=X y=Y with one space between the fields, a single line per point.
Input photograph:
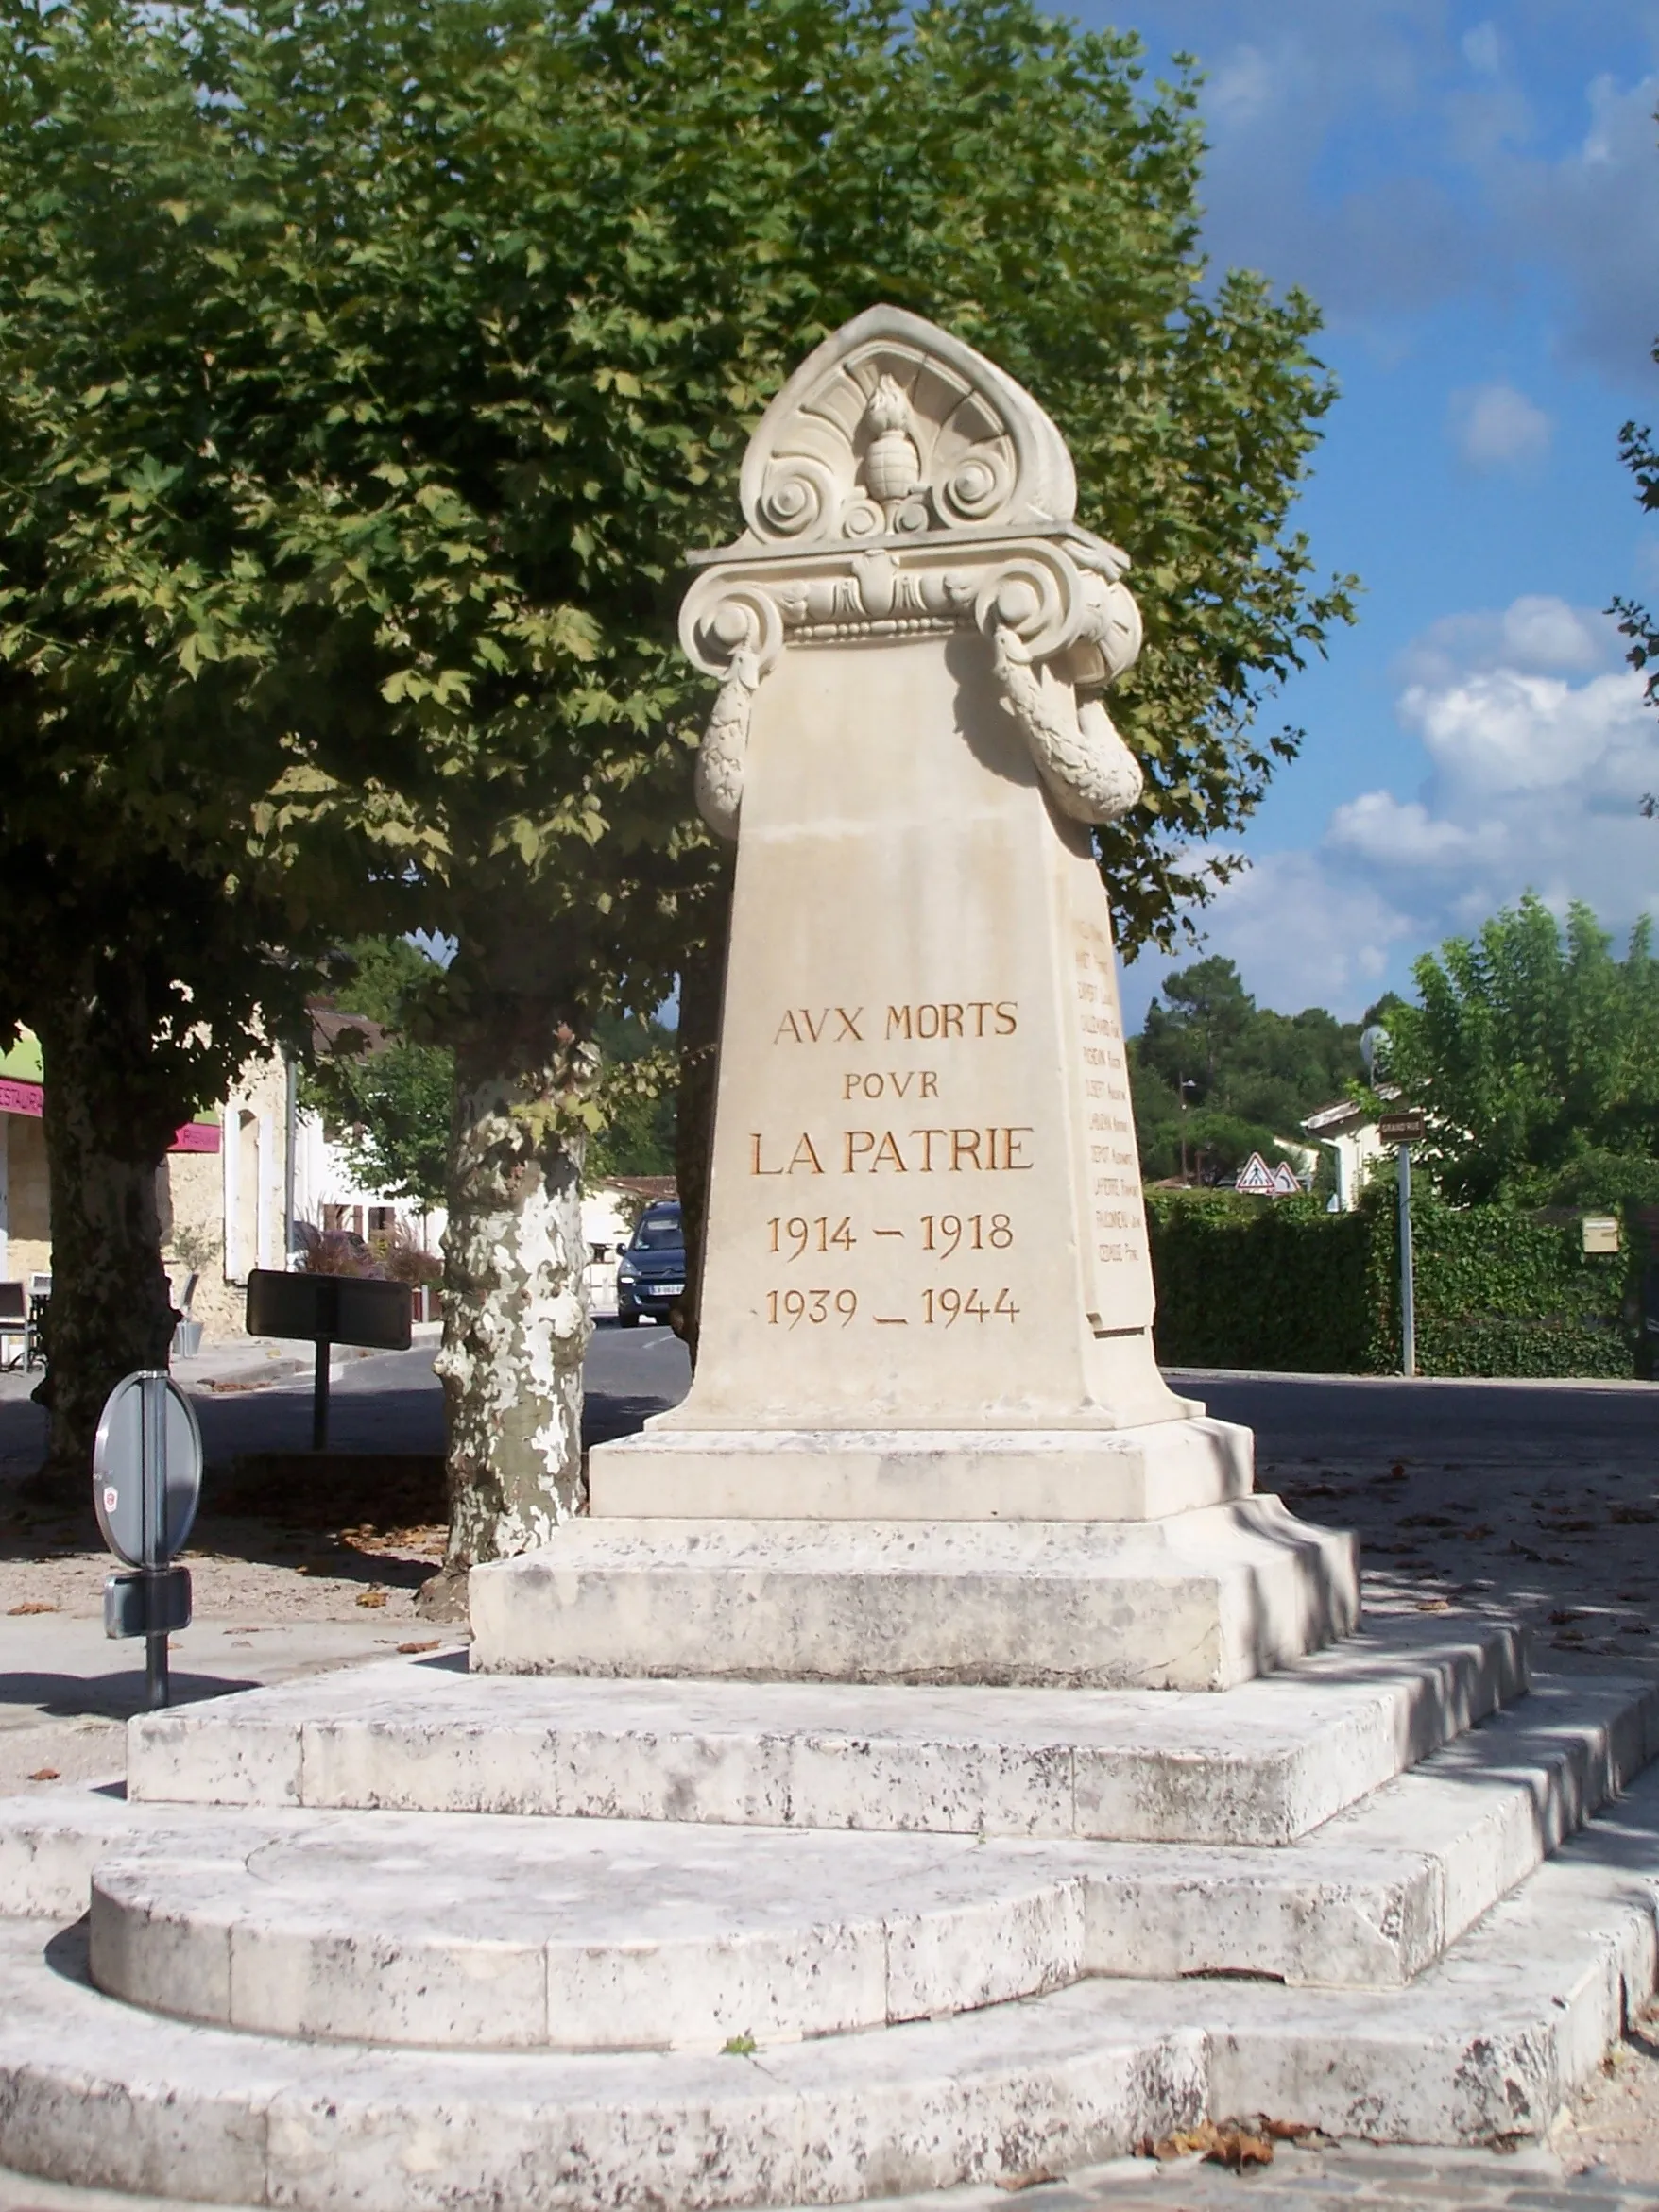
x=485 y=296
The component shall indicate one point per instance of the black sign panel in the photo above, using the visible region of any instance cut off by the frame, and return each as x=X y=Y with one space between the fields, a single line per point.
x=337 y=1309
x=1405 y=1127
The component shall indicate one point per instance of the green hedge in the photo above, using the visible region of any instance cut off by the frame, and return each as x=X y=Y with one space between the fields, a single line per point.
x=1283 y=1284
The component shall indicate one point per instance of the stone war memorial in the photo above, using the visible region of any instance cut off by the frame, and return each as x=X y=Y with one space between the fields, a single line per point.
x=929 y=1759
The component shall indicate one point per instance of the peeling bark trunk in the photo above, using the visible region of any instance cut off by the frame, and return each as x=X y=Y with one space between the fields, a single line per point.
x=701 y=989
x=516 y=1324
x=110 y=1311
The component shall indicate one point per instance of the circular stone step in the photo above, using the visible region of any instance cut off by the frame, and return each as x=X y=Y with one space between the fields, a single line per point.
x=488 y=1932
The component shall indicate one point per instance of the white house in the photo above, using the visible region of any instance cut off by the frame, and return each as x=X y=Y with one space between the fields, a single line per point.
x=1349 y=1133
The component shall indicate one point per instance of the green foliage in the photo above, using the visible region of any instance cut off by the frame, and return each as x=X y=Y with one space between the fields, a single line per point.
x=386 y=980
x=1283 y=1286
x=1497 y=1292
x=1248 y=1075
x=392 y=1109
x=1275 y=1283
x=637 y=1091
x=419 y=341
x=390 y=1103
x=1532 y=1049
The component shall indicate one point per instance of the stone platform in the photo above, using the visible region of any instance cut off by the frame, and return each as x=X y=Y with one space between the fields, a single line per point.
x=415 y=1937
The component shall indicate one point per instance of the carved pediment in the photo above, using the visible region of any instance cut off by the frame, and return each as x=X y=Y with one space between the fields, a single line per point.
x=895 y=431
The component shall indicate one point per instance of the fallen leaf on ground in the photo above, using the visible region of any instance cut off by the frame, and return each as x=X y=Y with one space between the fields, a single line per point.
x=1227 y=2145
x=46 y=1773
x=431 y=1644
x=1432 y=1605
x=1036 y=2177
x=33 y=1605
x=1632 y=1516
x=372 y=1597
x=1287 y=2130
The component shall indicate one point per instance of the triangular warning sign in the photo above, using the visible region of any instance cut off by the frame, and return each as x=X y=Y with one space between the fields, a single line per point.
x=1256 y=1178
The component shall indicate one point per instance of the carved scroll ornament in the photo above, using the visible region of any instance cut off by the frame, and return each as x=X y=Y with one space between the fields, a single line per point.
x=900 y=485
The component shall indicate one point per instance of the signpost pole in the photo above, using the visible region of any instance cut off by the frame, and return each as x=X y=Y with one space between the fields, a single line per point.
x=146 y=1480
x=319 y=1398
x=153 y=1495
x=1408 y=1285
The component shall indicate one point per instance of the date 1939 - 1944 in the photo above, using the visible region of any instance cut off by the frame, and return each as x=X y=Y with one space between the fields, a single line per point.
x=938 y=1308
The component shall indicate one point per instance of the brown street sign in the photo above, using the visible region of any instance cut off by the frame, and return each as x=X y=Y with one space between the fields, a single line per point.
x=1401 y=1129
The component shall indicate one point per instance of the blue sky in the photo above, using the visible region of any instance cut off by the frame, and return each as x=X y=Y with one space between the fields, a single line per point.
x=1471 y=194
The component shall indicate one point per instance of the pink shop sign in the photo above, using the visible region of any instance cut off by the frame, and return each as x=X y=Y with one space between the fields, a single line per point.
x=20 y=1097
x=196 y=1136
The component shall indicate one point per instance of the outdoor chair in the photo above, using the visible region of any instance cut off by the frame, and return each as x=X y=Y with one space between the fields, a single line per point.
x=40 y=1293
x=14 y=1326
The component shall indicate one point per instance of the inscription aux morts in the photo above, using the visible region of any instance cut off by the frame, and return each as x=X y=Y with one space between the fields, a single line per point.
x=930 y=1021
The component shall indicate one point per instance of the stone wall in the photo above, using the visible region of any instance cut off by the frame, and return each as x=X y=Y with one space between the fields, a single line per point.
x=29 y=1230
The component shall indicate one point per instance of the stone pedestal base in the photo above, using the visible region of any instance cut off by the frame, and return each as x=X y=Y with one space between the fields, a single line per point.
x=1196 y=1601
x=1137 y=1473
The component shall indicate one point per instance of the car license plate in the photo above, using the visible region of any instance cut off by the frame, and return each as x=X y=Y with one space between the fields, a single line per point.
x=668 y=1290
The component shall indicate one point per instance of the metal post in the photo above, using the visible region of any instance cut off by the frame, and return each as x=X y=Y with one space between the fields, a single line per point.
x=153 y=1508
x=319 y=1403
x=156 y=1689
x=1407 y=1289
x=290 y=1128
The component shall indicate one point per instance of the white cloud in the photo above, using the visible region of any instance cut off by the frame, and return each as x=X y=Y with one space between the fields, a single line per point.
x=1495 y=427
x=1540 y=746
x=1591 y=214
x=1390 y=159
x=1536 y=632
x=1243 y=86
x=1483 y=49
x=1392 y=833
x=1504 y=732
x=1305 y=934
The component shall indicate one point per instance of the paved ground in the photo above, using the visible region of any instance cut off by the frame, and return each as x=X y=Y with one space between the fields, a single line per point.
x=1540 y=1499
x=1314 y=2179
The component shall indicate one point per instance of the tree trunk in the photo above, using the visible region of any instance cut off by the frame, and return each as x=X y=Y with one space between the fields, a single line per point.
x=701 y=988
x=516 y=1325
x=110 y=1311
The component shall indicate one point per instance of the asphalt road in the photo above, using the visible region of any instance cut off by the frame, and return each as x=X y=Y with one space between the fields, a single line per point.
x=1309 y=1420
x=393 y=1403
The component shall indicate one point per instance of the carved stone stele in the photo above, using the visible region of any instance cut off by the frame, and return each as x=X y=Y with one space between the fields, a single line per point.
x=926 y=1301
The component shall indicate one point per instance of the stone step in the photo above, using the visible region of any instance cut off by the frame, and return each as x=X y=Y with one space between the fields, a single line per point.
x=582 y=1933
x=1381 y=1890
x=457 y=1932
x=1206 y=1599
x=1485 y=2043
x=1272 y=1760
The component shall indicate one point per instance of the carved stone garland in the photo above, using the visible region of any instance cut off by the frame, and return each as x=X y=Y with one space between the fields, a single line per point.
x=902 y=485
